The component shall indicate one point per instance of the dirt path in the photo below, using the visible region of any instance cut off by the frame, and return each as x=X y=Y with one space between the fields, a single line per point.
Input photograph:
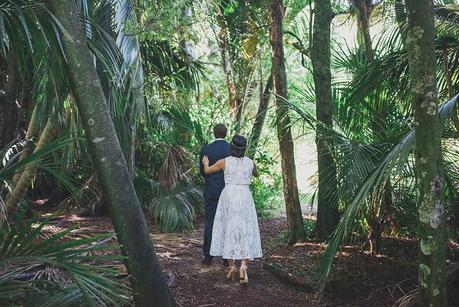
x=195 y=284
x=358 y=278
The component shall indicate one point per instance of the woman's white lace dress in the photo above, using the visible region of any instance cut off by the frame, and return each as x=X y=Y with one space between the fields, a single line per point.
x=235 y=234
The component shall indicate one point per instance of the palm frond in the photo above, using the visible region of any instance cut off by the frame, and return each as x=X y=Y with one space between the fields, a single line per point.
x=51 y=271
x=10 y=164
x=177 y=167
x=394 y=160
x=169 y=68
x=29 y=19
x=174 y=209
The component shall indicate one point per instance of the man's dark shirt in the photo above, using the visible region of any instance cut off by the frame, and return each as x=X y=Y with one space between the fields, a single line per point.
x=214 y=183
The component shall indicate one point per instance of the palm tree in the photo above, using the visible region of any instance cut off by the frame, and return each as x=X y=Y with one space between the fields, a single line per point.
x=364 y=167
x=363 y=9
x=368 y=179
x=108 y=158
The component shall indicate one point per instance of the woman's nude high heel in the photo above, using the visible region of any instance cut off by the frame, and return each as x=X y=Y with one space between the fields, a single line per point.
x=232 y=274
x=244 y=279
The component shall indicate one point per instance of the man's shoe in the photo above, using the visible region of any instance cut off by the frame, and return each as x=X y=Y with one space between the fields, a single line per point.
x=225 y=262
x=207 y=261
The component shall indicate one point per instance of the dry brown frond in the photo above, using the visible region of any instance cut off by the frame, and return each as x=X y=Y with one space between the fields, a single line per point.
x=177 y=167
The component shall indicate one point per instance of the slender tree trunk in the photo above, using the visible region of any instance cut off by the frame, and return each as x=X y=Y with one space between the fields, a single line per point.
x=292 y=203
x=260 y=117
x=234 y=99
x=25 y=177
x=449 y=81
x=327 y=213
x=31 y=132
x=127 y=216
x=430 y=179
x=184 y=33
x=363 y=12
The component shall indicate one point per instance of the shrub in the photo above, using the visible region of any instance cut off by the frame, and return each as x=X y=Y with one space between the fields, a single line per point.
x=267 y=187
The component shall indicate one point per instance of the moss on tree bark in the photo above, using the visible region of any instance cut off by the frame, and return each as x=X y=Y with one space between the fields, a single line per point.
x=430 y=180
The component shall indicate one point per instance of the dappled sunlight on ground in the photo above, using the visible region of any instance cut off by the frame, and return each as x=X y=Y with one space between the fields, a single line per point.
x=357 y=277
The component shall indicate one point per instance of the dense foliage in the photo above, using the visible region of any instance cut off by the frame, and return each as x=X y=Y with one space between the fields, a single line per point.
x=170 y=70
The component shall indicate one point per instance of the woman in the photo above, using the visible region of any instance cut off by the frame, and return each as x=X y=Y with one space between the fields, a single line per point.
x=235 y=235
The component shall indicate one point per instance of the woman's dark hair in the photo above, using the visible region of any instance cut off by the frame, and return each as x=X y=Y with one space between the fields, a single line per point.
x=238 y=146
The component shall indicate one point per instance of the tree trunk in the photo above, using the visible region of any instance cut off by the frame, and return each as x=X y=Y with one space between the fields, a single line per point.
x=31 y=132
x=25 y=177
x=363 y=13
x=430 y=181
x=127 y=216
x=292 y=203
x=234 y=99
x=9 y=84
x=327 y=211
x=260 y=117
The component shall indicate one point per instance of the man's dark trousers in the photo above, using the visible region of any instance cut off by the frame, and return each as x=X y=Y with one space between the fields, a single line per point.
x=214 y=184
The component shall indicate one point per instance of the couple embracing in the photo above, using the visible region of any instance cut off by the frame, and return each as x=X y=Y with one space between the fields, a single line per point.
x=231 y=225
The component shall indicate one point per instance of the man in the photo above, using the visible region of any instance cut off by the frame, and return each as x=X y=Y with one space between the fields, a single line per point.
x=214 y=184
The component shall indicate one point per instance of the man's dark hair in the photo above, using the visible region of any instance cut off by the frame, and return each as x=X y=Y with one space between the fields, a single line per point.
x=220 y=131
x=238 y=145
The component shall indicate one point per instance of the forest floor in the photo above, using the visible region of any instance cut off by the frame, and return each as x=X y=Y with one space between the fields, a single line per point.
x=358 y=278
